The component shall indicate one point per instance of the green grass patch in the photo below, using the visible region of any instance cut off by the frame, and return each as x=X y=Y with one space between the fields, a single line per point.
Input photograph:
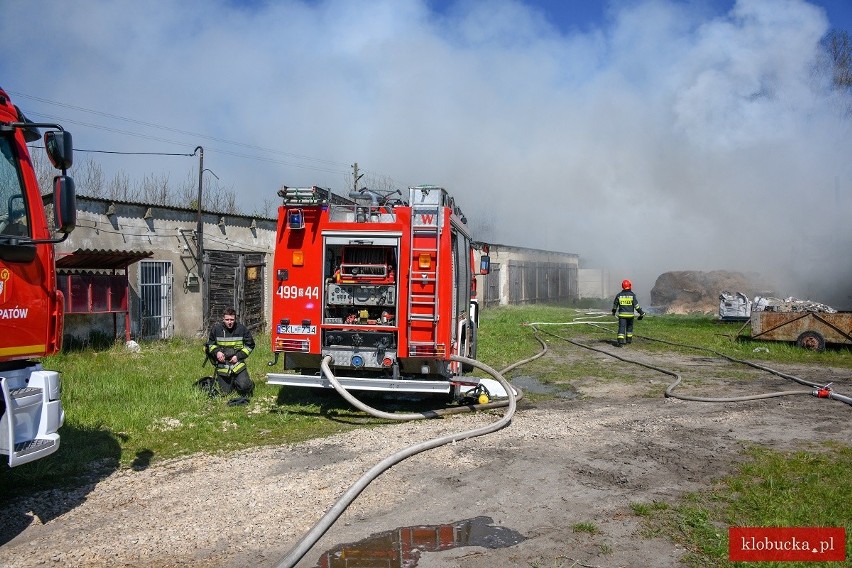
x=585 y=527
x=127 y=409
x=647 y=509
x=771 y=489
x=731 y=339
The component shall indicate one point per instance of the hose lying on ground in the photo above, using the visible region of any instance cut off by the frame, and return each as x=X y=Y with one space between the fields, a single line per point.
x=817 y=389
x=315 y=533
x=822 y=390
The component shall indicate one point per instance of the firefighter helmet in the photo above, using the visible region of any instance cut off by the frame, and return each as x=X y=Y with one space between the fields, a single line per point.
x=626 y=285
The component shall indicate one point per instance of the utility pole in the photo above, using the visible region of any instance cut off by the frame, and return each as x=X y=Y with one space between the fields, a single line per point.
x=199 y=245
x=355 y=177
x=199 y=233
x=199 y=226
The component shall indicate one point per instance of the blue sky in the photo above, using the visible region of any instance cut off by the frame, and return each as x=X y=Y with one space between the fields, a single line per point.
x=644 y=135
x=583 y=14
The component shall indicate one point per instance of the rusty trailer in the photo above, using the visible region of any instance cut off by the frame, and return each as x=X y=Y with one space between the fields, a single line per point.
x=811 y=330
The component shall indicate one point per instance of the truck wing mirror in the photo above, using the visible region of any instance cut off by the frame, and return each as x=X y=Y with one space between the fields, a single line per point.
x=60 y=149
x=64 y=204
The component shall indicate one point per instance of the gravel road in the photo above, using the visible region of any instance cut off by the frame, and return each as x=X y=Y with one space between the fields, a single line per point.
x=559 y=463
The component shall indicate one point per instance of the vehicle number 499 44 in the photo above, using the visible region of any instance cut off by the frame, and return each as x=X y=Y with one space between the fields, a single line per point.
x=293 y=292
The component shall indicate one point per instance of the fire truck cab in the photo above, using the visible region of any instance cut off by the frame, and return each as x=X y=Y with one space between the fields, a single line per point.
x=383 y=288
x=31 y=305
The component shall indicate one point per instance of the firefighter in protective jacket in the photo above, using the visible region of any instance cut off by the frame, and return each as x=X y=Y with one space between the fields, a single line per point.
x=228 y=346
x=626 y=306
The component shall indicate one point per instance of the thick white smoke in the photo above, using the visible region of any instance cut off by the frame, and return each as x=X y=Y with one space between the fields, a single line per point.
x=661 y=138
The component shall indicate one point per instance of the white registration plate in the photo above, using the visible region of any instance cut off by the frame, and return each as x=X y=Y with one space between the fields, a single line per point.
x=297 y=330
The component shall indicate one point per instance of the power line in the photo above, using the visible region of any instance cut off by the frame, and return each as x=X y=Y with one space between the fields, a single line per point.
x=167 y=141
x=330 y=169
x=130 y=153
x=124 y=153
x=167 y=128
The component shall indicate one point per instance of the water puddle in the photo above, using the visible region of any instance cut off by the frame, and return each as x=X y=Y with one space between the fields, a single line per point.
x=533 y=385
x=402 y=547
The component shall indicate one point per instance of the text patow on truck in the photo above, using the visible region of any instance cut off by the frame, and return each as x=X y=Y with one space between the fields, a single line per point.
x=31 y=306
x=381 y=289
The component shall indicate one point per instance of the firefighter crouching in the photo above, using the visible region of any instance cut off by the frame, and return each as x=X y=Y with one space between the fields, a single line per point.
x=625 y=306
x=228 y=346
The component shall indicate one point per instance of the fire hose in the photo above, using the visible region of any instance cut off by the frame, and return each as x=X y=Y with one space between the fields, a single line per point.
x=319 y=529
x=817 y=389
x=324 y=524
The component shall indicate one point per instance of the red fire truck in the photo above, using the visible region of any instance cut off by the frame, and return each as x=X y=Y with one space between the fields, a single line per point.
x=31 y=306
x=383 y=287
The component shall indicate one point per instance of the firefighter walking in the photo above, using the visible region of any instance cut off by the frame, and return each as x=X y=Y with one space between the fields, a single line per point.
x=625 y=307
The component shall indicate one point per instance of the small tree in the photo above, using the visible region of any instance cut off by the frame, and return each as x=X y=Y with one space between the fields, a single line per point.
x=43 y=169
x=839 y=50
x=155 y=189
x=89 y=178
x=120 y=188
x=187 y=191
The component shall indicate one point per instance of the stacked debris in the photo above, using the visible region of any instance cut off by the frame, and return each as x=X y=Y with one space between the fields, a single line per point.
x=693 y=291
x=790 y=304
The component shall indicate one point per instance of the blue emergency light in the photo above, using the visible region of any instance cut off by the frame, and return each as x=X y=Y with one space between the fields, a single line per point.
x=296 y=219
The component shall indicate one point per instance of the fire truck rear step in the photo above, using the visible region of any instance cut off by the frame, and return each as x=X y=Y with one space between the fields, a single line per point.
x=357 y=383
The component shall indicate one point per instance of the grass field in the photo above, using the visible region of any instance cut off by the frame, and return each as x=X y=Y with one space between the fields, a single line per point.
x=128 y=410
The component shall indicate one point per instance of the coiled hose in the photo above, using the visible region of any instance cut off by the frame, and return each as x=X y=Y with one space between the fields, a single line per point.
x=315 y=533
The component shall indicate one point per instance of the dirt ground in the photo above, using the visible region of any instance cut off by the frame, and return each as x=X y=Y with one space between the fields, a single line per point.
x=509 y=498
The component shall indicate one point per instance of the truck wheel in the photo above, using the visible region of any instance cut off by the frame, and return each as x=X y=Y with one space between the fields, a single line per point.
x=811 y=340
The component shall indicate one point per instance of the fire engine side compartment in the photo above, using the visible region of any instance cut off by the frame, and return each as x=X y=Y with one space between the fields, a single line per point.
x=360 y=299
x=789 y=326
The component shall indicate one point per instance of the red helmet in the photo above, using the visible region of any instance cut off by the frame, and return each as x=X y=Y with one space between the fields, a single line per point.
x=626 y=285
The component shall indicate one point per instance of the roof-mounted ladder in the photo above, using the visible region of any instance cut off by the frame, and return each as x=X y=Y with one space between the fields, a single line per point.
x=423 y=301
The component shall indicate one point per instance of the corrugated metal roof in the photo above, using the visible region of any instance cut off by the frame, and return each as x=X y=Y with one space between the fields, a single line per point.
x=47 y=199
x=101 y=258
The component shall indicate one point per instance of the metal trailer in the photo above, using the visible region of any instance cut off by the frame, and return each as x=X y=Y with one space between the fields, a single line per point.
x=811 y=330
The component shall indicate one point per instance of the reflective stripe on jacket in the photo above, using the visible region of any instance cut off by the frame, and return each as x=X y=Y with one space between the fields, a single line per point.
x=626 y=303
x=237 y=341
